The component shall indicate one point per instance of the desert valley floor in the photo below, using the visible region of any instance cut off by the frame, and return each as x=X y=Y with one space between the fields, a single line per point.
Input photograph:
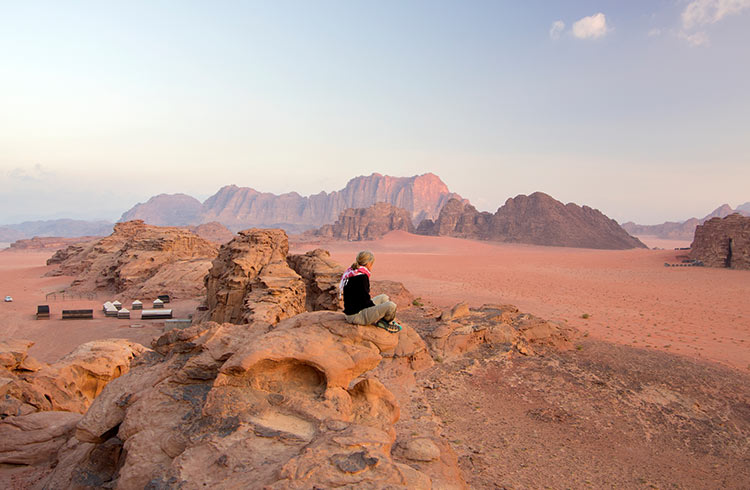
x=654 y=394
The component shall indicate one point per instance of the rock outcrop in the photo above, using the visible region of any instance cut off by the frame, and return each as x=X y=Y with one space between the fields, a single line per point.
x=139 y=260
x=536 y=219
x=367 y=223
x=723 y=242
x=241 y=207
x=251 y=282
x=70 y=384
x=683 y=230
x=321 y=276
x=228 y=405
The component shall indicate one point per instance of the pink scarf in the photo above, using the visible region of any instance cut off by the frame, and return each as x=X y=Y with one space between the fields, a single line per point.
x=351 y=273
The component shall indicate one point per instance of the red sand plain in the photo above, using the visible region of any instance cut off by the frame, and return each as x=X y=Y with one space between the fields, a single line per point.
x=21 y=276
x=630 y=297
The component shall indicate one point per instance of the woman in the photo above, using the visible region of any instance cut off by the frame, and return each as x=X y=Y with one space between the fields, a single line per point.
x=358 y=307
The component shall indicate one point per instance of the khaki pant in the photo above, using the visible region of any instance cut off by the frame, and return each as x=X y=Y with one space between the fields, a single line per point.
x=384 y=309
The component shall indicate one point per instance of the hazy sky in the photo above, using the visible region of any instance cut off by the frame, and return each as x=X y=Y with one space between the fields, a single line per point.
x=638 y=108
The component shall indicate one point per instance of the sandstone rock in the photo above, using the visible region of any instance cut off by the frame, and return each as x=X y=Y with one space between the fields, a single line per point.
x=69 y=384
x=251 y=282
x=421 y=449
x=230 y=406
x=371 y=223
x=321 y=275
x=723 y=242
x=36 y=437
x=537 y=219
x=139 y=260
x=495 y=326
x=396 y=291
x=460 y=310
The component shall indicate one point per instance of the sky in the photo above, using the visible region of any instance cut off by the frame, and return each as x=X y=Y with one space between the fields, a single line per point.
x=638 y=108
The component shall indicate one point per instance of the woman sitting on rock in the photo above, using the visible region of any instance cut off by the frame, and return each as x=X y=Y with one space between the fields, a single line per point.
x=358 y=307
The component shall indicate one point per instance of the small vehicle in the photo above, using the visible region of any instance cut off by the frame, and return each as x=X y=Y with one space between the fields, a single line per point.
x=8 y=299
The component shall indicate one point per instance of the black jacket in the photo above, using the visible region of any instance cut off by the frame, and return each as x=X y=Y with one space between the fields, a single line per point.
x=357 y=294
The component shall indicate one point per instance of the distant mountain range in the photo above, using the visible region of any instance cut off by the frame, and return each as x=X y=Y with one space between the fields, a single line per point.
x=242 y=207
x=683 y=230
x=427 y=201
x=66 y=228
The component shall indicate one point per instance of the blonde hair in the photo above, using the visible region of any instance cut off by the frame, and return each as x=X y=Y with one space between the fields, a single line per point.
x=364 y=257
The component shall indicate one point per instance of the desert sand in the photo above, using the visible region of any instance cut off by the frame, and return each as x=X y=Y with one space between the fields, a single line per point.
x=21 y=277
x=629 y=296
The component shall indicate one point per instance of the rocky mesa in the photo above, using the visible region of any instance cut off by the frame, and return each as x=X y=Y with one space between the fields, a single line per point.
x=723 y=242
x=367 y=223
x=139 y=260
x=536 y=219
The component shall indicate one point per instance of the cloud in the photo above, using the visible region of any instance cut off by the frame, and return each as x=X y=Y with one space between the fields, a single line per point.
x=37 y=173
x=699 y=13
x=656 y=32
x=591 y=27
x=556 y=29
x=703 y=12
x=699 y=38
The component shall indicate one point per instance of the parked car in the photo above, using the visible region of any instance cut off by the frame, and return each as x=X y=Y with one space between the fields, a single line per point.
x=8 y=299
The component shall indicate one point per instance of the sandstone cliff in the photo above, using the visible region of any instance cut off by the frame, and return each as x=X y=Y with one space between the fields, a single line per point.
x=138 y=260
x=536 y=219
x=723 y=242
x=241 y=207
x=367 y=223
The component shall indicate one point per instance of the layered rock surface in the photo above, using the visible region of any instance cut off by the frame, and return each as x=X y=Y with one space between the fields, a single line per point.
x=367 y=223
x=228 y=405
x=139 y=260
x=40 y=404
x=723 y=242
x=251 y=282
x=536 y=219
x=241 y=207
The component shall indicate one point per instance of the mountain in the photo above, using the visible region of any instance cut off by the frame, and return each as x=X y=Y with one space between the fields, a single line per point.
x=242 y=207
x=537 y=219
x=371 y=223
x=65 y=228
x=683 y=230
x=166 y=210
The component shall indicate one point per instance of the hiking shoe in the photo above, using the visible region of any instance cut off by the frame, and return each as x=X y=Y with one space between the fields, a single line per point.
x=387 y=326
x=395 y=326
